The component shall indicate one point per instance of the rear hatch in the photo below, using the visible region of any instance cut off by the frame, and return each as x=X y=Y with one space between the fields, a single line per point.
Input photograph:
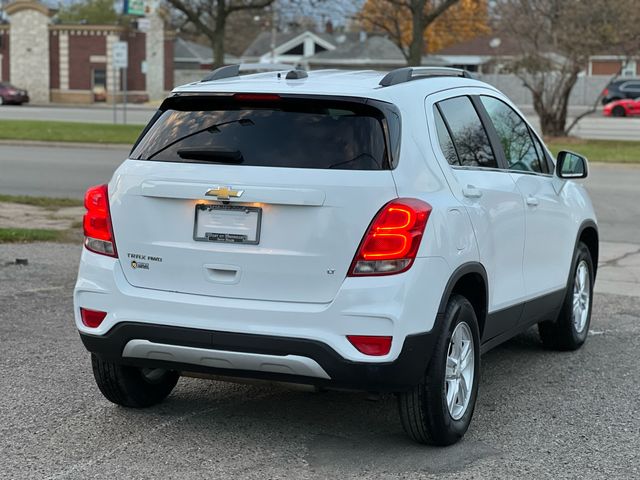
x=252 y=196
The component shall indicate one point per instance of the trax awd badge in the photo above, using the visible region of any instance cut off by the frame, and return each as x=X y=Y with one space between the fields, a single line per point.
x=224 y=193
x=139 y=261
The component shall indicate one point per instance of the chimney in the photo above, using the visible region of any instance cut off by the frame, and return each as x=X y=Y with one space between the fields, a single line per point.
x=328 y=28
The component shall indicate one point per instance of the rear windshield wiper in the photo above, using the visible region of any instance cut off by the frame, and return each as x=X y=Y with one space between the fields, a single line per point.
x=245 y=122
x=211 y=154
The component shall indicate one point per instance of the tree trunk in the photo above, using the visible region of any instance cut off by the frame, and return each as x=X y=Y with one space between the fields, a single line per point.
x=552 y=123
x=217 y=40
x=553 y=116
x=416 y=47
x=217 y=44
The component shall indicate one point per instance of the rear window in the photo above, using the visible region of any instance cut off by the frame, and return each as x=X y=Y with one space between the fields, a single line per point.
x=295 y=133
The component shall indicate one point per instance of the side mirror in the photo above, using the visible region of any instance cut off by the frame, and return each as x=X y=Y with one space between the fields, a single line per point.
x=571 y=165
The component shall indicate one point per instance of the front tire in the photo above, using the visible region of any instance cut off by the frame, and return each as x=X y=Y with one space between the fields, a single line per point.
x=132 y=386
x=438 y=410
x=570 y=330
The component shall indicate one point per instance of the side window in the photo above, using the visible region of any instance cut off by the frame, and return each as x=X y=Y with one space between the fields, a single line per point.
x=540 y=152
x=514 y=136
x=446 y=145
x=631 y=87
x=469 y=137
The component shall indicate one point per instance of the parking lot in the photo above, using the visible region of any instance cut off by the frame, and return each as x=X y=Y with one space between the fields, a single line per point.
x=540 y=414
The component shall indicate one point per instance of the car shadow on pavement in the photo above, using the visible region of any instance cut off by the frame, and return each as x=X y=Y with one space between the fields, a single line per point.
x=337 y=433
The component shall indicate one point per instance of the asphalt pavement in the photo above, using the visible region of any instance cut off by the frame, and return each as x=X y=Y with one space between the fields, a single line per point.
x=136 y=114
x=540 y=413
x=56 y=171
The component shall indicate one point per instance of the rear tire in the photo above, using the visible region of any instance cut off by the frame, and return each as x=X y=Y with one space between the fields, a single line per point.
x=618 y=111
x=570 y=330
x=132 y=386
x=438 y=410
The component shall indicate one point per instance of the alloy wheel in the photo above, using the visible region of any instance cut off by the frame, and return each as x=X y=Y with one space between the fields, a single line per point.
x=460 y=371
x=581 y=296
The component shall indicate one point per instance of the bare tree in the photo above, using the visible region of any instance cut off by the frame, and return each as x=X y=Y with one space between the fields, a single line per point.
x=209 y=18
x=555 y=39
x=394 y=16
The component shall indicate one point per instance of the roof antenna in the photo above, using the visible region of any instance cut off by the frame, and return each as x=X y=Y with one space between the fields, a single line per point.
x=296 y=74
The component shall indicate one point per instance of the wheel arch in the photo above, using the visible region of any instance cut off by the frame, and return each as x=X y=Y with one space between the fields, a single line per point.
x=470 y=281
x=588 y=234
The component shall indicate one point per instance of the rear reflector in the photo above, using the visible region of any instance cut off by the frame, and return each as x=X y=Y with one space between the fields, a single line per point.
x=371 y=345
x=98 y=230
x=92 y=318
x=391 y=243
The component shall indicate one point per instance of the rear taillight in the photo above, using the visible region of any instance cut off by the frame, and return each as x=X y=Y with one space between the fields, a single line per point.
x=393 y=238
x=371 y=345
x=605 y=92
x=98 y=231
x=92 y=318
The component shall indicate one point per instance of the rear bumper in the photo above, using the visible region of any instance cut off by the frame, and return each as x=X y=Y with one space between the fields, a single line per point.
x=285 y=359
x=403 y=306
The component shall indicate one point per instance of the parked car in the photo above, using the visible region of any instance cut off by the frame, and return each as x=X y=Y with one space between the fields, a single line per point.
x=622 y=108
x=347 y=230
x=12 y=95
x=621 y=89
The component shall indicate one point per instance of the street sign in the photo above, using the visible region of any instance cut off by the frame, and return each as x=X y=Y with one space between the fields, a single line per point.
x=120 y=55
x=134 y=7
x=144 y=24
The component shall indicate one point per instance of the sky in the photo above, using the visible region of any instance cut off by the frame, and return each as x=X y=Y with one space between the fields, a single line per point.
x=338 y=11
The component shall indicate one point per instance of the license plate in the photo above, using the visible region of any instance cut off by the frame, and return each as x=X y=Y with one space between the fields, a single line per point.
x=227 y=224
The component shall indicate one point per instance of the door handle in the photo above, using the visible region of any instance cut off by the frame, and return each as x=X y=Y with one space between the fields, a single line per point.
x=532 y=201
x=471 y=192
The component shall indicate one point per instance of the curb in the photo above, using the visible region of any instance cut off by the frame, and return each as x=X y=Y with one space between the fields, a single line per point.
x=36 y=143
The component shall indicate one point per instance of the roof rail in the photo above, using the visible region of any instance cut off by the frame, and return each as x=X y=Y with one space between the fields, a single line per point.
x=406 y=74
x=222 y=72
x=230 y=71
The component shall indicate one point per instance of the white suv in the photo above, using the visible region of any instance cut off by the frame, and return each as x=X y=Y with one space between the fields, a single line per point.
x=340 y=229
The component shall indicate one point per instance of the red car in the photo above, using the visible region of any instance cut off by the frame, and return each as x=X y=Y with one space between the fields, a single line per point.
x=622 y=108
x=11 y=94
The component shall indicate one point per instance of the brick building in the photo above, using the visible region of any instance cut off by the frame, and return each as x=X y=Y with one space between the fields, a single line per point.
x=72 y=63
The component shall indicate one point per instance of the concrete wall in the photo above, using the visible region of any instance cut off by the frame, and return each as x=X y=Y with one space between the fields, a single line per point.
x=154 y=42
x=585 y=91
x=29 y=52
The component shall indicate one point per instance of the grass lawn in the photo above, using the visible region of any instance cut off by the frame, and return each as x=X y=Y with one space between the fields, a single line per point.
x=46 y=131
x=45 y=202
x=22 y=235
x=609 y=151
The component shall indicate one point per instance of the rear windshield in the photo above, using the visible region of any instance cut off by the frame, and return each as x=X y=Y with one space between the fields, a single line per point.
x=296 y=133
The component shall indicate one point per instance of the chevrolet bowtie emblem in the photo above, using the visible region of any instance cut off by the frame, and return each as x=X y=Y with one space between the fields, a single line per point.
x=224 y=193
